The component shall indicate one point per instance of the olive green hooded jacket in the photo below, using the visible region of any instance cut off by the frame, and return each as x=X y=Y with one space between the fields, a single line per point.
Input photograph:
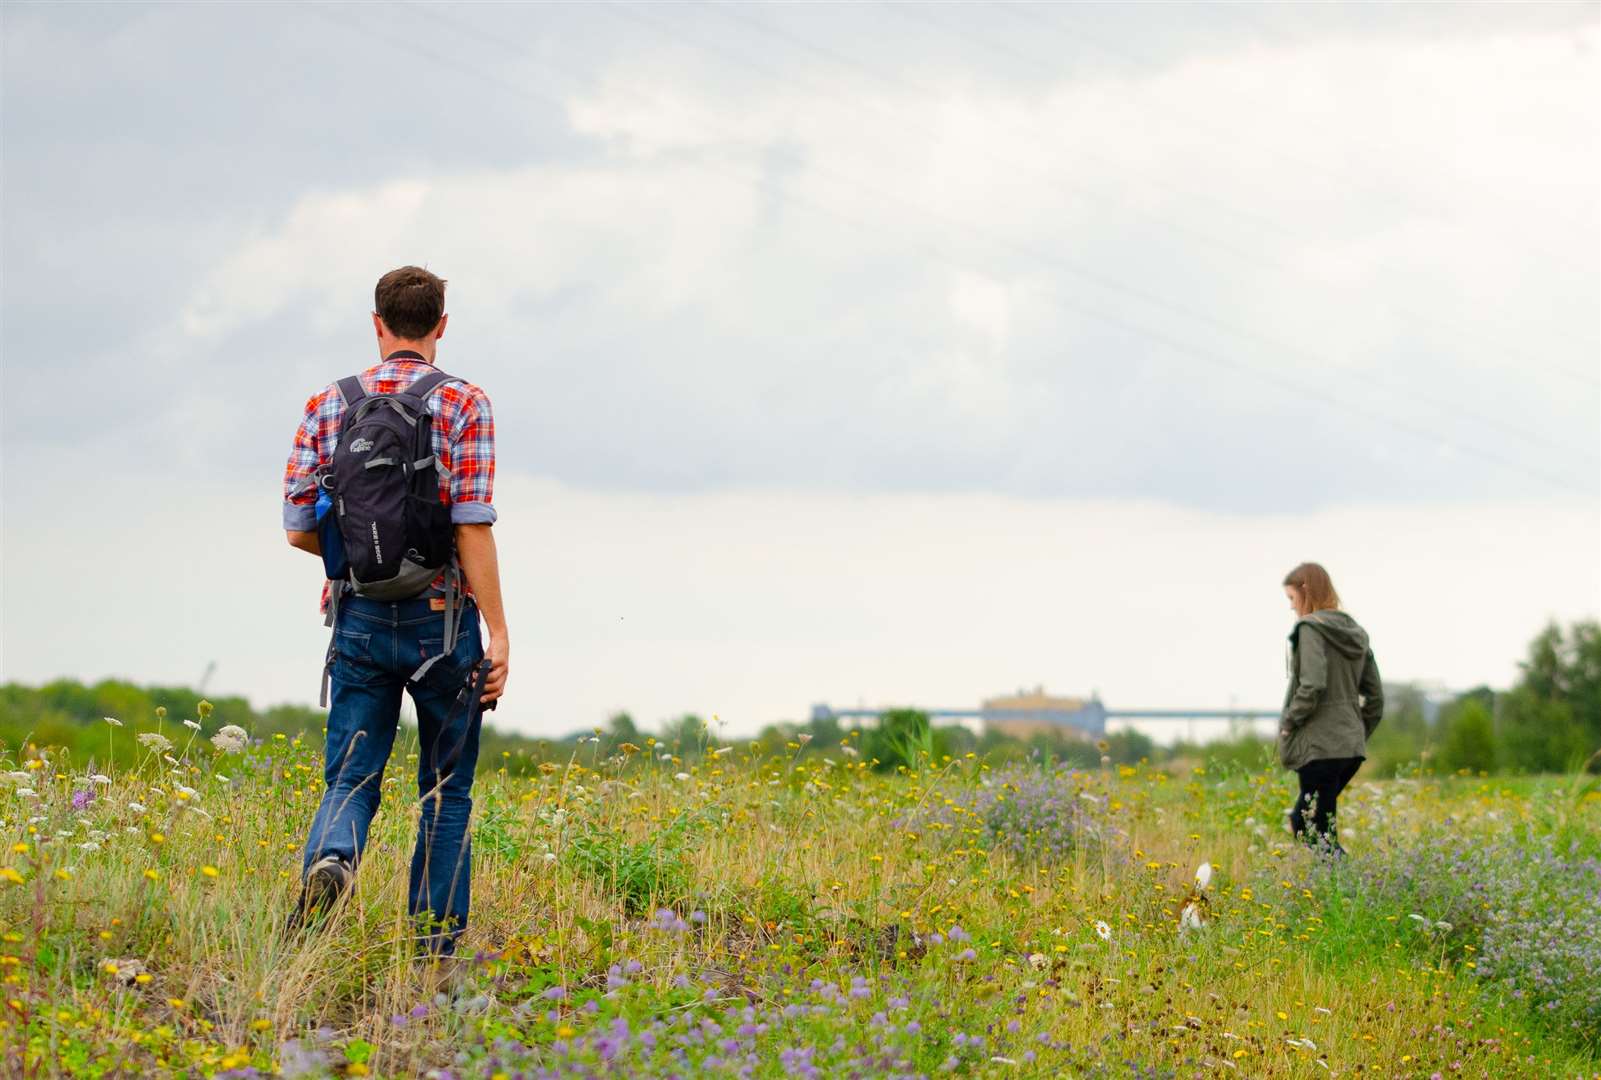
x=1336 y=698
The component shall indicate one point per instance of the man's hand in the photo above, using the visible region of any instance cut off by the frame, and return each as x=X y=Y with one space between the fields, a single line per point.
x=499 y=656
x=475 y=547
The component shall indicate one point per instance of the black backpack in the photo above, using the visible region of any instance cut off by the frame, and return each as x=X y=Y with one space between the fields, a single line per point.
x=385 y=533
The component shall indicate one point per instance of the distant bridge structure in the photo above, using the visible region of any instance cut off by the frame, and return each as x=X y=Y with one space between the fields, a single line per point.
x=1089 y=720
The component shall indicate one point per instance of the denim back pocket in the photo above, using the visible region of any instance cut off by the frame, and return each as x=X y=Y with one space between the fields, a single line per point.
x=353 y=659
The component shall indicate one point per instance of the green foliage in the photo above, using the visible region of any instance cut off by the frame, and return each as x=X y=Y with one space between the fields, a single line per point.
x=645 y=874
x=904 y=737
x=1563 y=671
x=1469 y=741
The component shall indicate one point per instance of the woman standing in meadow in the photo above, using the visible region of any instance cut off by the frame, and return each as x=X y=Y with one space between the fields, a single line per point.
x=1335 y=700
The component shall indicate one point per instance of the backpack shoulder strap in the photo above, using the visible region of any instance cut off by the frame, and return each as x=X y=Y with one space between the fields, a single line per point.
x=351 y=390
x=426 y=385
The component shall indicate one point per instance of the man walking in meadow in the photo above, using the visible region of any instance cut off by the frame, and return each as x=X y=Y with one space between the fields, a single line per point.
x=390 y=481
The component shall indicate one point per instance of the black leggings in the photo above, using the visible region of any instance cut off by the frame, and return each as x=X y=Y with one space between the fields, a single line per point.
x=1321 y=784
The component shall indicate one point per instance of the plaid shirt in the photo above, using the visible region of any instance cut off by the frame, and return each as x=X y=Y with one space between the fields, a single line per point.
x=464 y=440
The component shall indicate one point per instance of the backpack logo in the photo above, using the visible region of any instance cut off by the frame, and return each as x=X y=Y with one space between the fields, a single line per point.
x=361 y=446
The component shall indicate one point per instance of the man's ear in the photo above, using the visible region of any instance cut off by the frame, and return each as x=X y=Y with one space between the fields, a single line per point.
x=378 y=325
x=439 y=331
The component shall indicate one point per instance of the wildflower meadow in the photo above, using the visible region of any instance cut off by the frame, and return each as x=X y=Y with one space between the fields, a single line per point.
x=712 y=908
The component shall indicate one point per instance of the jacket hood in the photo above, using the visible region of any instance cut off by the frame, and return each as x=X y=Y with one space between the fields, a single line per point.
x=1340 y=631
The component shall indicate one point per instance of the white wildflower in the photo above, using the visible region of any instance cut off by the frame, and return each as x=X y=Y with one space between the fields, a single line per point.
x=1203 y=876
x=137 y=808
x=1190 y=918
x=1104 y=931
x=27 y=793
x=112 y=720
x=849 y=751
x=100 y=778
x=721 y=750
x=550 y=856
x=230 y=739
x=803 y=738
x=154 y=740
x=681 y=776
x=89 y=845
x=222 y=778
x=192 y=725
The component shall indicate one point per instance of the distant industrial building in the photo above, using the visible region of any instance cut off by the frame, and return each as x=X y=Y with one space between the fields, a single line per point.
x=1030 y=712
x=1020 y=715
x=1034 y=712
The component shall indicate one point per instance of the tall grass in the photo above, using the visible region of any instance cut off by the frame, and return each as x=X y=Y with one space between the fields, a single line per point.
x=748 y=915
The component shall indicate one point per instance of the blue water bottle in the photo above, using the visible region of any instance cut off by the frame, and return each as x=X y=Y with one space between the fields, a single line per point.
x=329 y=538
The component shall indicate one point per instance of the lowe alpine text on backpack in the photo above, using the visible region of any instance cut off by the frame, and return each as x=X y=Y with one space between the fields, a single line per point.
x=385 y=534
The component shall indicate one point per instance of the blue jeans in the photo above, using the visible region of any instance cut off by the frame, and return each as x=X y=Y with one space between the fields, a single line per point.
x=377 y=647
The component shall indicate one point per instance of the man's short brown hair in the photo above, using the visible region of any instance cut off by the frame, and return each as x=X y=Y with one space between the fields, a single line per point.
x=410 y=301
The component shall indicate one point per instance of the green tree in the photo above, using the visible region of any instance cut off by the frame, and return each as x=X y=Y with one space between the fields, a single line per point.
x=1469 y=740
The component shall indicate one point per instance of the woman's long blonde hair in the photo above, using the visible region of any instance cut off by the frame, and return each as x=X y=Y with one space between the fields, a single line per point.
x=1315 y=586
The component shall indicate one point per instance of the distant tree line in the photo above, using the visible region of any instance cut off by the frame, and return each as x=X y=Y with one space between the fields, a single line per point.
x=1549 y=722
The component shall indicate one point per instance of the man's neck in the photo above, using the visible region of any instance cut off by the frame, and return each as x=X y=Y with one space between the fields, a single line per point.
x=424 y=349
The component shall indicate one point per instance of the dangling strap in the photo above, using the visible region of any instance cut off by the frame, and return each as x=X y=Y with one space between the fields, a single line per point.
x=453 y=608
x=336 y=589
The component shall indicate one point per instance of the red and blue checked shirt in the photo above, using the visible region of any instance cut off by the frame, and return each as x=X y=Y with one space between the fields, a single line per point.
x=464 y=441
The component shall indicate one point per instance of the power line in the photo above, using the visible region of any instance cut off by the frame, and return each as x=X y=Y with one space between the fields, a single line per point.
x=1077 y=34
x=921 y=14
x=1301 y=390
x=1077 y=269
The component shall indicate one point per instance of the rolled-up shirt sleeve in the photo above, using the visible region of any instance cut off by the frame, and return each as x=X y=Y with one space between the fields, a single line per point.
x=300 y=503
x=472 y=462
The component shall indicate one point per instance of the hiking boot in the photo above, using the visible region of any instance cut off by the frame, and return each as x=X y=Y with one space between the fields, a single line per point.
x=327 y=881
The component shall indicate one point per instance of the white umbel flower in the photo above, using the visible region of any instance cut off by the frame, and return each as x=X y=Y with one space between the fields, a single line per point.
x=230 y=739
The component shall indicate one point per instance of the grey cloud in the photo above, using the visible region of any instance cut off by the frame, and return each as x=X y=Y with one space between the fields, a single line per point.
x=821 y=346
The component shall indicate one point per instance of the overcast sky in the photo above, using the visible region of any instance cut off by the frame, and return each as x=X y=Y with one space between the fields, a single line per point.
x=851 y=354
